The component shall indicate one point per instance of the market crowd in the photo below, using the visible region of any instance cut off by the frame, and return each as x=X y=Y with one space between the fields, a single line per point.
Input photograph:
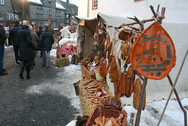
x=27 y=39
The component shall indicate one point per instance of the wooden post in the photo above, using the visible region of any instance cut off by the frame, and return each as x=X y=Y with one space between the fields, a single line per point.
x=179 y=102
x=173 y=87
x=141 y=102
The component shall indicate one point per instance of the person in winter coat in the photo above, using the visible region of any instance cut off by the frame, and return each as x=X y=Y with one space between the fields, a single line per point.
x=26 y=49
x=39 y=33
x=34 y=40
x=13 y=37
x=45 y=43
x=3 y=37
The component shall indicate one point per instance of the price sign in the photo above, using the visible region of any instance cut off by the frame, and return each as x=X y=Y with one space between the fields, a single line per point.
x=153 y=53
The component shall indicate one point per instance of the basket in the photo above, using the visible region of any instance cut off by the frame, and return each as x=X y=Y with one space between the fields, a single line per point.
x=97 y=74
x=107 y=112
x=76 y=87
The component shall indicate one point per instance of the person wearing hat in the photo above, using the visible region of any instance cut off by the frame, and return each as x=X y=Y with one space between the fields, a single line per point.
x=3 y=37
x=26 y=49
x=13 y=37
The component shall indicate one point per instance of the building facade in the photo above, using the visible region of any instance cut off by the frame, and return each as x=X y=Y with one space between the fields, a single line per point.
x=38 y=11
x=50 y=12
x=7 y=13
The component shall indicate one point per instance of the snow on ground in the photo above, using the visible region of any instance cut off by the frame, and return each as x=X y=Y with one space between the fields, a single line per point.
x=149 y=117
x=173 y=115
x=62 y=84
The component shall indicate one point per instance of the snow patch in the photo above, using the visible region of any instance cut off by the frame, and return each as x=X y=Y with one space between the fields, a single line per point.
x=35 y=1
x=59 y=6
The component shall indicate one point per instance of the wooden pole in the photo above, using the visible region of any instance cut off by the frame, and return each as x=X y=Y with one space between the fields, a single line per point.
x=179 y=102
x=173 y=89
x=141 y=102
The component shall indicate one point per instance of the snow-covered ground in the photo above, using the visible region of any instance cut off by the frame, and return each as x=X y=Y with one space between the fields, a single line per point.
x=149 y=117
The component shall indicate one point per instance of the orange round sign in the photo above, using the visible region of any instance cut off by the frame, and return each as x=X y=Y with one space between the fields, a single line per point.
x=153 y=53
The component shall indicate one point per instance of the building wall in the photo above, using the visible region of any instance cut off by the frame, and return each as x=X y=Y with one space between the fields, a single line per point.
x=7 y=9
x=40 y=14
x=176 y=10
x=82 y=8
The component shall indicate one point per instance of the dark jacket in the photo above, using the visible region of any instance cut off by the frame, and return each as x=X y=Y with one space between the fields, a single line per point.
x=3 y=36
x=13 y=34
x=46 y=41
x=25 y=44
x=39 y=32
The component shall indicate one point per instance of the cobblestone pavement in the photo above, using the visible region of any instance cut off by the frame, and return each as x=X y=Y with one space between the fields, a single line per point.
x=20 y=108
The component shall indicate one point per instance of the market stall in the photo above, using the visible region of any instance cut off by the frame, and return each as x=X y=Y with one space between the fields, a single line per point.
x=130 y=54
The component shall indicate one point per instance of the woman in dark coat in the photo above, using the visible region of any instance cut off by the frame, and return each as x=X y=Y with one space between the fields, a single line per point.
x=2 y=42
x=26 y=49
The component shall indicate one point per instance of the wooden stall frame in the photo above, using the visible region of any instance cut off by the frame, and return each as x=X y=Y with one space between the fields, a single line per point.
x=158 y=18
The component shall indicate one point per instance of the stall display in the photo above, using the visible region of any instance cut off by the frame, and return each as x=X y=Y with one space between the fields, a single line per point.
x=132 y=55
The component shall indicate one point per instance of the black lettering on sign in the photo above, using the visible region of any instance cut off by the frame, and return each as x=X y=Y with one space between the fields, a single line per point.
x=138 y=58
x=154 y=69
x=153 y=38
x=146 y=65
x=169 y=55
x=145 y=52
x=153 y=50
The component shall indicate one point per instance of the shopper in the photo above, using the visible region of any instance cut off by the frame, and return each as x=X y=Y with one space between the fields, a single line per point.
x=26 y=49
x=3 y=37
x=45 y=43
x=14 y=40
x=34 y=41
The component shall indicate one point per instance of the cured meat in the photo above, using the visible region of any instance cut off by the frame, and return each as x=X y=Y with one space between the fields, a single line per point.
x=130 y=78
x=125 y=52
x=107 y=44
x=122 y=83
x=103 y=69
x=123 y=35
x=113 y=71
x=137 y=92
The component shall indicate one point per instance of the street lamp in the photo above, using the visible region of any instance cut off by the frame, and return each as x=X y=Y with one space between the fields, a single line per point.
x=23 y=9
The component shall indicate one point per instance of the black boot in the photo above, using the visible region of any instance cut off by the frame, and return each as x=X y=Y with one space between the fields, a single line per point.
x=21 y=76
x=28 y=77
x=28 y=72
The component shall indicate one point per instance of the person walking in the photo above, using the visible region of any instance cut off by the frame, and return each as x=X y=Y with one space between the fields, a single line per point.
x=14 y=39
x=26 y=49
x=45 y=43
x=3 y=37
x=39 y=33
x=34 y=41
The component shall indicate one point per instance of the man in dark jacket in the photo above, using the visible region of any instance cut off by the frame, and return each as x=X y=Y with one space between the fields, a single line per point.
x=26 y=49
x=13 y=37
x=45 y=43
x=2 y=42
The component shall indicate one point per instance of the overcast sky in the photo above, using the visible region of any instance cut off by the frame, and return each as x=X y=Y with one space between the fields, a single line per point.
x=72 y=1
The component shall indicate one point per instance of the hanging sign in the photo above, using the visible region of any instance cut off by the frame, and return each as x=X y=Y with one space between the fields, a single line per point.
x=153 y=53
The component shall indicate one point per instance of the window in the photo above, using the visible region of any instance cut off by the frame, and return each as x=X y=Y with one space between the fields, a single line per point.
x=50 y=12
x=58 y=14
x=7 y=16
x=12 y=16
x=40 y=11
x=2 y=2
x=95 y=4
